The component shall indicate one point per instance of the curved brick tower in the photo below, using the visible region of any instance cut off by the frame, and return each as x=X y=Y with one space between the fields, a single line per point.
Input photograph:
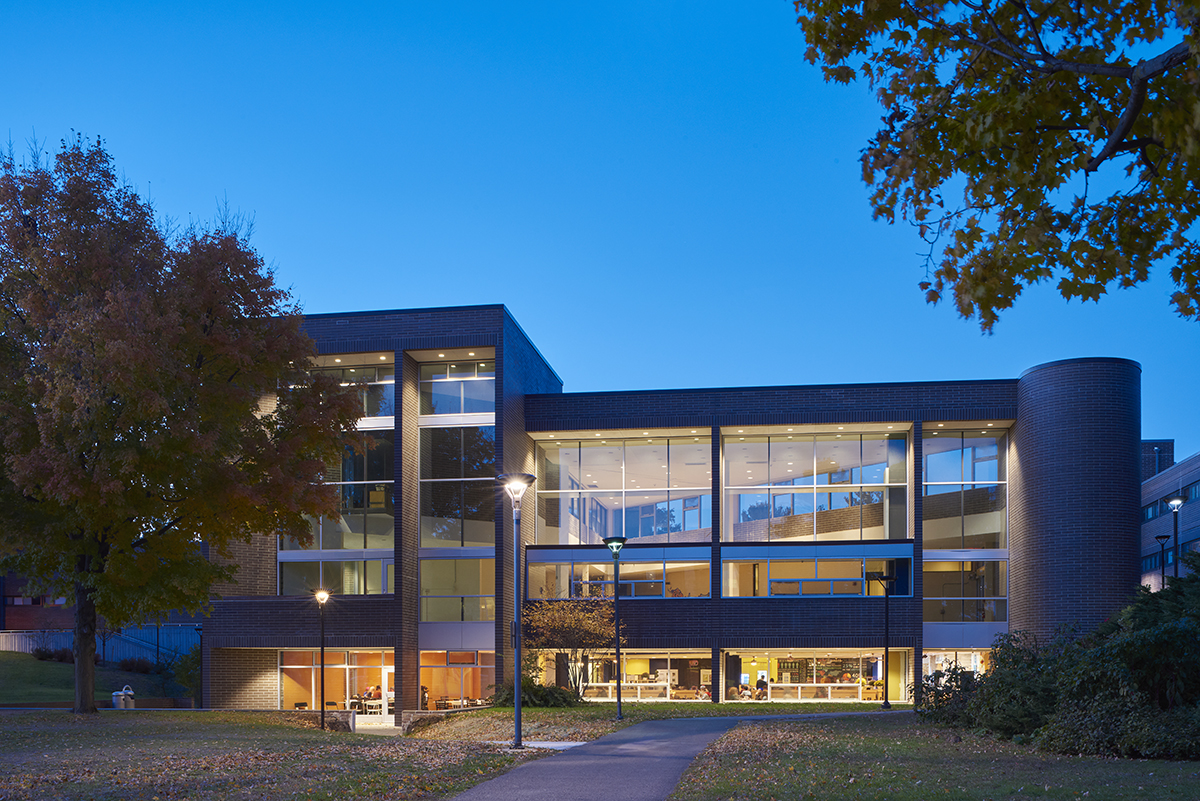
x=1075 y=479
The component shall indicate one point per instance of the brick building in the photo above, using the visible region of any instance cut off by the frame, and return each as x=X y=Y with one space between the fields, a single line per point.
x=753 y=518
x=1177 y=524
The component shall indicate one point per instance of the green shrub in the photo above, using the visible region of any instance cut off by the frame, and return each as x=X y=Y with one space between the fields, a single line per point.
x=136 y=664
x=1019 y=692
x=533 y=694
x=42 y=654
x=944 y=696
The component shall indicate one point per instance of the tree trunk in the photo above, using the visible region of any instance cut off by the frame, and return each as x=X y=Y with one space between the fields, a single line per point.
x=85 y=650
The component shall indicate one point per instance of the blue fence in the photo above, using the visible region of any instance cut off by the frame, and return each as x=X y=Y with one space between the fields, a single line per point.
x=157 y=643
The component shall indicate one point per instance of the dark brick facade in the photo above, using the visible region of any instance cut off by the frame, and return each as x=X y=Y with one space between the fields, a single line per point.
x=1074 y=487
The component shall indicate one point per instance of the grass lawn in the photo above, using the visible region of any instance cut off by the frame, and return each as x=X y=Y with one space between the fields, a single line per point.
x=218 y=755
x=24 y=679
x=596 y=720
x=898 y=758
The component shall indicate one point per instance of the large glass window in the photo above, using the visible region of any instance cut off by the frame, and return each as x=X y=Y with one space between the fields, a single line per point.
x=654 y=490
x=364 y=474
x=458 y=590
x=965 y=491
x=743 y=578
x=456 y=679
x=346 y=577
x=457 y=487
x=378 y=397
x=965 y=592
x=467 y=387
x=595 y=578
x=801 y=488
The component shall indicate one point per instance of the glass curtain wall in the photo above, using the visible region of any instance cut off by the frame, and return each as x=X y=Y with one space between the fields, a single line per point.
x=458 y=487
x=465 y=387
x=363 y=474
x=348 y=675
x=799 y=488
x=965 y=592
x=652 y=491
x=456 y=679
x=965 y=495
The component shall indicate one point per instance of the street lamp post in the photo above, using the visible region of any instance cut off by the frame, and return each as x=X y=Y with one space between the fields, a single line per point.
x=515 y=485
x=1175 y=503
x=885 y=580
x=1162 y=540
x=322 y=596
x=200 y=634
x=615 y=544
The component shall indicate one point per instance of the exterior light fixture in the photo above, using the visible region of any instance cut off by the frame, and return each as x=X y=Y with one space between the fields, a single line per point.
x=515 y=485
x=885 y=580
x=1175 y=503
x=1162 y=540
x=322 y=596
x=615 y=544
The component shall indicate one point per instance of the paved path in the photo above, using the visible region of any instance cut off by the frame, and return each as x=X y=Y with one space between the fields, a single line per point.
x=639 y=763
x=643 y=762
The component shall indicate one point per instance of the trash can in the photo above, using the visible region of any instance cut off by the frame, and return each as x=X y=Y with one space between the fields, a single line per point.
x=123 y=699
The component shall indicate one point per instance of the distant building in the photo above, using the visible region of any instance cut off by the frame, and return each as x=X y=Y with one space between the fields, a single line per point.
x=1180 y=481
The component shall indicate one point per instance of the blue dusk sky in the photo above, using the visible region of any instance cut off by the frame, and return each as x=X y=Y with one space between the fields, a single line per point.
x=664 y=194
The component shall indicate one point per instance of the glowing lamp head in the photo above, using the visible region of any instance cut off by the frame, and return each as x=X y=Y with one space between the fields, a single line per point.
x=322 y=596
x=615 y=544
x=515 y=484
x=1175 y=503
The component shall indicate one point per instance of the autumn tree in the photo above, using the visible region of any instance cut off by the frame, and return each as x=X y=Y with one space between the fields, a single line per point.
x=1029 y=141
x=573 y=630
x=154 y=398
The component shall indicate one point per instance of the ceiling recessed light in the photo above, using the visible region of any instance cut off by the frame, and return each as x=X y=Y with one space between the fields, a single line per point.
x=841 y=428
x=441 y=355
x=693 y=431
x=889 y=426
x=597 y=435
x=339 y=361
x=471 y=353
x=791 y=429
x=991 y=424
x=644 y=433
x=383 y=358
x=941 y=424
x=740 y=431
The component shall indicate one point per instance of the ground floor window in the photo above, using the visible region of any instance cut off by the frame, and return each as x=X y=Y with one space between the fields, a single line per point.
x=793 y=675
x=455 y=679
x=359 y=680
x=977 y=660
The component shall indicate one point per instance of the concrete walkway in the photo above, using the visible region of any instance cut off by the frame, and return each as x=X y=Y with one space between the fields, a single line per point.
x=640 y=763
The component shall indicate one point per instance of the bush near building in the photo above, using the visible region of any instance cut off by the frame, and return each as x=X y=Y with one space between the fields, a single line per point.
x=1129 y=689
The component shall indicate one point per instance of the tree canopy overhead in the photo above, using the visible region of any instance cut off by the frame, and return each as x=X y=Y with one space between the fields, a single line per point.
x=154 y=397
x=1003 y=118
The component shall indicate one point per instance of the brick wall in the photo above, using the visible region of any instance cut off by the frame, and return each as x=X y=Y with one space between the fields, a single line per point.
x=241 y=678
x=1074 y=509
x=255 y=561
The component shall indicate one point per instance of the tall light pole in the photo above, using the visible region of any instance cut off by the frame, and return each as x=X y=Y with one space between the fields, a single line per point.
x=1175 y=503
x=1162 y=540
x=885 y=579
x=322 y=596
x=200 y=634
x=515 y=485
x=615 y=544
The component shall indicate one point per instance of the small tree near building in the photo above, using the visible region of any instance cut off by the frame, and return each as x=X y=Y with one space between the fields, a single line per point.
x=573 y=630
x=154 y=397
